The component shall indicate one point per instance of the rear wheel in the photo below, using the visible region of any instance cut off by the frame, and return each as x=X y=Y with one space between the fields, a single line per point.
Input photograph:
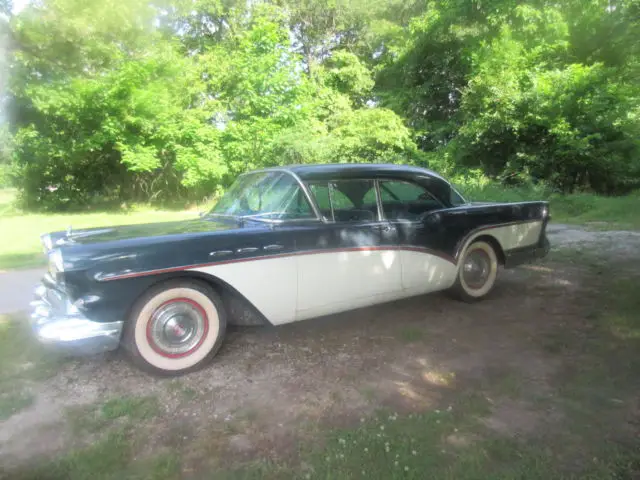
x=477 y=272
x=175 y=328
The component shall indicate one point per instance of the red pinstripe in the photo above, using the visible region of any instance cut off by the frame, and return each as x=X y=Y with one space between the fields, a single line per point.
x=279 y=255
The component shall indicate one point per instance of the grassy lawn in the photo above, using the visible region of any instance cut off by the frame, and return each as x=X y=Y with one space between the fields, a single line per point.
x=22 y=364
x=21 y=248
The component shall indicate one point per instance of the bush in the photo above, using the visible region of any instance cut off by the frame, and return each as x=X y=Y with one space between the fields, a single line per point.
x=5 y=177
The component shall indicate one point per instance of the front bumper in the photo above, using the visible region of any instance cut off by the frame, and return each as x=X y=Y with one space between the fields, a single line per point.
x=57 y=323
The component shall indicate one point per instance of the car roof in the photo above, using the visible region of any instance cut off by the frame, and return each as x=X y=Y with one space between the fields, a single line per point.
x=333 y=171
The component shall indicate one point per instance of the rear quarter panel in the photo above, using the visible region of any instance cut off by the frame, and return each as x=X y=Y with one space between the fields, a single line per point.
x=512 y=225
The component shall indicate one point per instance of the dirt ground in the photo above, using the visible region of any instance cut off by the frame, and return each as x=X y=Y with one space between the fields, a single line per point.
x=271 y=387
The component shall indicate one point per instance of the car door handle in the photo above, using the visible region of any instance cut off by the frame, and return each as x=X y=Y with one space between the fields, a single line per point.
x=388 y=228
x=271 y=248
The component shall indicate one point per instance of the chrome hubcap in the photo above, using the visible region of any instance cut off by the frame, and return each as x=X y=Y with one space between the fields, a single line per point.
x=476 y=269
x=176 y=328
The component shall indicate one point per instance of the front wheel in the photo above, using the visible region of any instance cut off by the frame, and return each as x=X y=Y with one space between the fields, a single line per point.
x=175 y=328
x=477 y=272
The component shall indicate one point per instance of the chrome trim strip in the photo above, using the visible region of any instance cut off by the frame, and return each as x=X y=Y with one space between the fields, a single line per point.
x=273 y=247
x=310 y=198
x=330 y=188
x=247 y=250
x=220 y=253
x=470 y=206
x=379 y=200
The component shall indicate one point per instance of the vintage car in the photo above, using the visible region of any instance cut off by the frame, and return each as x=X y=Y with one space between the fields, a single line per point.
x=282 y=245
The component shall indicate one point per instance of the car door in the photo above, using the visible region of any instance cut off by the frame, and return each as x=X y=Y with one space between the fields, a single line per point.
x=258 y=260
x=345 y=262
x=406 y=206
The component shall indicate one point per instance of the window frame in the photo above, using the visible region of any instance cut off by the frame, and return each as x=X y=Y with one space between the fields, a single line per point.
x=381 y=217
x=303 y=187
x=329 y=184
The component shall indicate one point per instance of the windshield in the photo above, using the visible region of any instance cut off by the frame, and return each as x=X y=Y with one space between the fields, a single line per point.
x=265 y=195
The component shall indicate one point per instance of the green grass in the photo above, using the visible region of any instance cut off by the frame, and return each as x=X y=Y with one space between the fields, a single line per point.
x=622 y=306
x=106 y=459
x=22 y=361
x=12 y=402
x=21 y=357
x=7 y=201
x=101 y=417
x=186 y=392
x=136 y=408
x=21 y=246
x=441 y=445
x=86 y=419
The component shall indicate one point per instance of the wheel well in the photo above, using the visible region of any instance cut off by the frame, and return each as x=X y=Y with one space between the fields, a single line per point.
x=495 y=244
x=240 y=310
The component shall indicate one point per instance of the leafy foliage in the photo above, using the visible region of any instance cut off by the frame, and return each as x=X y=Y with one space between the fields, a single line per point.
x=518 y=90
x=125 y=100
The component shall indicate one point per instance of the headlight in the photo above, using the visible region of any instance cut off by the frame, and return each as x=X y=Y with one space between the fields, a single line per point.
x=56 y=264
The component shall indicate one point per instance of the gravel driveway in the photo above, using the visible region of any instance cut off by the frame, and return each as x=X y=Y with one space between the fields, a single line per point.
x=16 y=289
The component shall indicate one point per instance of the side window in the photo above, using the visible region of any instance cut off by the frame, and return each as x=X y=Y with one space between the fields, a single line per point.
x=370 y=197
x=349 y=201
x=346 y=200
x=339 y=200
x=405 y=200
x=281 y=198
x=321 y=193
x=455 y=198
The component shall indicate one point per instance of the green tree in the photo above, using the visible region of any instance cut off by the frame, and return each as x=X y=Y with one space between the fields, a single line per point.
x=514 y=88
x=130 y=100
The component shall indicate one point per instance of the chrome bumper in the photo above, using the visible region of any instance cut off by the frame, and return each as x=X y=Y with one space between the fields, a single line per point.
x=57 y=323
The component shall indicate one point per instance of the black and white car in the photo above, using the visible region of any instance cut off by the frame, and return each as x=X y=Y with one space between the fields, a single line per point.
x=282 y=245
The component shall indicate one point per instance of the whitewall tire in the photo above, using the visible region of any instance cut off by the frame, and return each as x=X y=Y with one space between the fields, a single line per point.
x=175 y=328
x=477 y=272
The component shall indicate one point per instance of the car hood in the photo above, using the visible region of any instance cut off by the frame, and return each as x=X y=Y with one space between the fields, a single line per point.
x=146 y=230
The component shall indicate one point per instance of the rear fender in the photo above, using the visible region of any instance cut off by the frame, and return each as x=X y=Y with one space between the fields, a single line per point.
x=510 y=225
